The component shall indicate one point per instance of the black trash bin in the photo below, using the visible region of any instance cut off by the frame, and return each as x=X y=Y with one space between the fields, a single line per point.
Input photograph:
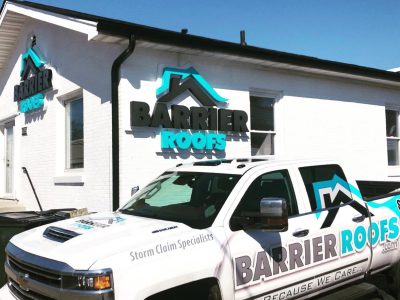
x=12 y=223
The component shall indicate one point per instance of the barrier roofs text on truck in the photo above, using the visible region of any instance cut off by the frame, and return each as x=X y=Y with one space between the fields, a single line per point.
x=222 y=229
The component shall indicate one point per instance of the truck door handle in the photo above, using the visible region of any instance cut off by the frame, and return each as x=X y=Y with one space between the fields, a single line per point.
x=359 y=219
x=301 y=233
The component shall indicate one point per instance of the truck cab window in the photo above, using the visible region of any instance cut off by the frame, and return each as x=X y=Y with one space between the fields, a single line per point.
x=194 y=199
x=316 y=177
x=273 y=184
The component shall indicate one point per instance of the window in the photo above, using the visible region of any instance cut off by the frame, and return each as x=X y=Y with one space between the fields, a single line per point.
x=194 y=199
x=329 y=177
x=392 y=137
x=74 y=134
x=262 y=125
x=273 y=184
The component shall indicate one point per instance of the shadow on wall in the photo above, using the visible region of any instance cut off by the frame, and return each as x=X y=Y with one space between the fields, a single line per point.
x=34 y=116
x=236 y=137
x=185 y=154
x=69 y=183
x=97 y=57
x=38 y=114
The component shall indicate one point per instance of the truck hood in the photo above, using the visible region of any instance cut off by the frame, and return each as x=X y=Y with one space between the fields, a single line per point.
x=93 y=237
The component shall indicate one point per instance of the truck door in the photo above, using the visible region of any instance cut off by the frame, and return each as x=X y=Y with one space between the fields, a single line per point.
x=333 y=210
x=261 y=259
x=304 y=259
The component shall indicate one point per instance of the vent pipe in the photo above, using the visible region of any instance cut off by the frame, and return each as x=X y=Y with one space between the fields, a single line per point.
x=243 y=38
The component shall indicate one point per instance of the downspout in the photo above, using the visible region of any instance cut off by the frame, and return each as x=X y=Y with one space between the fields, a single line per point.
x=115 y=78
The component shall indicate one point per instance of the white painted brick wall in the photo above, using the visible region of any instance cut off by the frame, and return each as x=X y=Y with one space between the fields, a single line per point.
x=316 y=116
x=76 y=63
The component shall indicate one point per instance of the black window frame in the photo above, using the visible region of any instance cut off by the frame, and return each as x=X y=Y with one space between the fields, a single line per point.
x=392 y=117
x=311 y=193
x=290 y=191
x=260 y=131
x=69 y=164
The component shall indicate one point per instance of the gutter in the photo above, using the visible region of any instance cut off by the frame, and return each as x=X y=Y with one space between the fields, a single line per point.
x=115 y=78
x=166 y=37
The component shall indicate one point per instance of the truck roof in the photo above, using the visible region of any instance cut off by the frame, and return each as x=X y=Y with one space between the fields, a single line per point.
x=240 y=166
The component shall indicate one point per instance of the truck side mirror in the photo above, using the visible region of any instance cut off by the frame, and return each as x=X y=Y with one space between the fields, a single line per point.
x=134 y=190
x=274 y=213
x=272 y=216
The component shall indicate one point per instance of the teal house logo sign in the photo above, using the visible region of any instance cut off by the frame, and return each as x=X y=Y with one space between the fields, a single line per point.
x=175 y=81
x=35 y=80
x=200 y=128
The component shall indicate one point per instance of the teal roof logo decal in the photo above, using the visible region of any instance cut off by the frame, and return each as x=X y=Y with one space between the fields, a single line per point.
x=332 y=187
x=393 y=203
x=332 y=194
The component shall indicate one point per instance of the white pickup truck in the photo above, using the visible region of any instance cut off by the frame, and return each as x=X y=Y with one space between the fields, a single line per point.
x=221 y=229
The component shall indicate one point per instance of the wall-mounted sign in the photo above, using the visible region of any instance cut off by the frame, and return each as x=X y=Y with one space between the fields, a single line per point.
x=35 y=80
x=200 y=127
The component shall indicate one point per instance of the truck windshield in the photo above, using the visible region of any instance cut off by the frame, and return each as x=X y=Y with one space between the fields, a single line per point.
x=190 y=198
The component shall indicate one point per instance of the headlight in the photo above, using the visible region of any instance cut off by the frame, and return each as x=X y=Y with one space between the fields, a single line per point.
x=94 y=281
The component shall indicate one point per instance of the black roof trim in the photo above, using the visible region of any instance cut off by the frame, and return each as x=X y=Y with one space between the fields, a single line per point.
x=125 y=29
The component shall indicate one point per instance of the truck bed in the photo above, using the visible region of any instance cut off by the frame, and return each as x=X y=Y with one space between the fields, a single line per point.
x=377 y=189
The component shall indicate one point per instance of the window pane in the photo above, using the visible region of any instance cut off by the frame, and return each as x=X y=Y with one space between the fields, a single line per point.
x=261 y=113
x=274 y=184
x=76 y=134
x=391 y=123
x=325 y=173
x=393 y=152
x=262 y=143
x=194 y=199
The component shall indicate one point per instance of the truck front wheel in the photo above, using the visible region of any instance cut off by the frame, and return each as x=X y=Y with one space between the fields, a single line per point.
x=206 y=289
x=214 y=293
x=394 y=280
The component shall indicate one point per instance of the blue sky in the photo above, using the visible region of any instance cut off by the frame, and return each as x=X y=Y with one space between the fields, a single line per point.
x=361 y=32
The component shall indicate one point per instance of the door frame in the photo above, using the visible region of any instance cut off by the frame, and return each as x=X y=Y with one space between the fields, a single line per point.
x=9 y=124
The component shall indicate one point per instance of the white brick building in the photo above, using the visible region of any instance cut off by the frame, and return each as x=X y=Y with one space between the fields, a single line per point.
x=297 y=106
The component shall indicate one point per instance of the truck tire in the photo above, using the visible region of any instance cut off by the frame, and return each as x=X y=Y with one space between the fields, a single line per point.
x=393 y=279
x=214 y=293
x=206 y=289
x=384 y=295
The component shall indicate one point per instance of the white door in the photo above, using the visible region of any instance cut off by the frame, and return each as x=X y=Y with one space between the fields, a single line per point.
x=264 y=259
x=9 y=159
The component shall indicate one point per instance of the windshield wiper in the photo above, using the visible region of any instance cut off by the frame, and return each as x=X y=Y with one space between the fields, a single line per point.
x=124 y=211
x=138 y=213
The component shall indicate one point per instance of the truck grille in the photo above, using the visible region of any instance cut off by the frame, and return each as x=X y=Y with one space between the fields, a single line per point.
x=59 y=234
x=32 y=277
x=35 y=273
x=25 y=294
